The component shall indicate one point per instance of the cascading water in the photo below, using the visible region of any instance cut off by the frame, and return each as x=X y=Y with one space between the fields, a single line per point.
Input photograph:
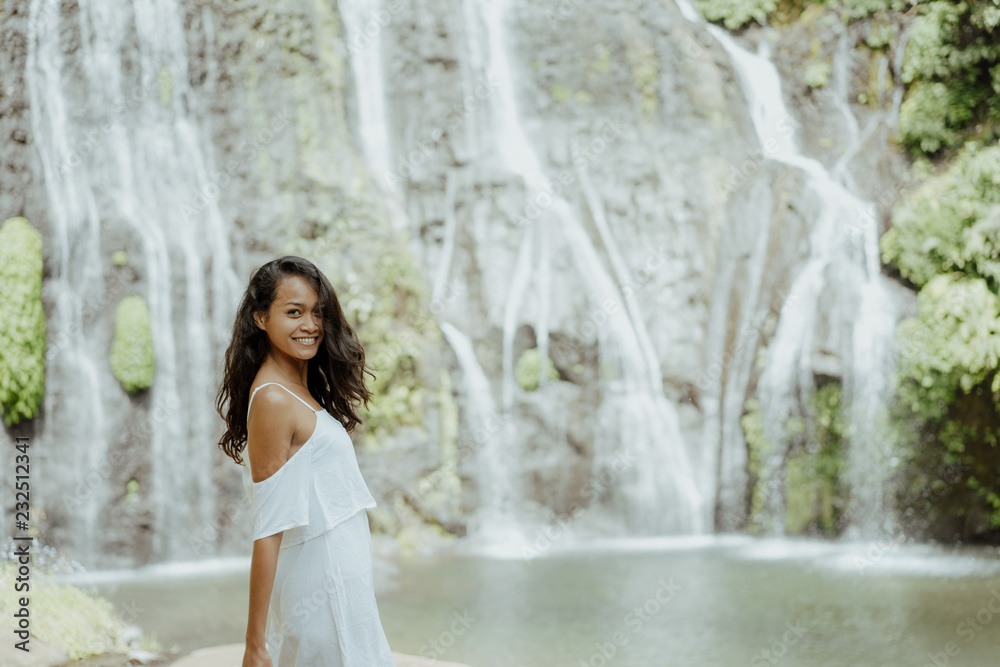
x=496 y=468
x=843 y=265
x=116 y=126
x=660 y=495
x=363 y=24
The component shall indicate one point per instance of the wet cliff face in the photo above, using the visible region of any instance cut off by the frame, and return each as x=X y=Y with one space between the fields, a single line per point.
x=645 y=241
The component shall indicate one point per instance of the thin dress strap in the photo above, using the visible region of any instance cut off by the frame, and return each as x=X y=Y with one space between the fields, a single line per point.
x=283 y=387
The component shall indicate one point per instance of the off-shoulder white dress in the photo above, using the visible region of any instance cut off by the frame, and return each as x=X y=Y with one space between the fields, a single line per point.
x=322 y=611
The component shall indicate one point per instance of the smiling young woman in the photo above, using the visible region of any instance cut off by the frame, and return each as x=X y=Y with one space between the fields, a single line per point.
x=293 y=350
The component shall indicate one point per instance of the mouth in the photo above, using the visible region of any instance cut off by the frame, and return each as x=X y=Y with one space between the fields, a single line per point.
x=307 y=341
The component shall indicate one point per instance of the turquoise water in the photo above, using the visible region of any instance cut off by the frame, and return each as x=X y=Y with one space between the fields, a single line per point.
x=702 y=602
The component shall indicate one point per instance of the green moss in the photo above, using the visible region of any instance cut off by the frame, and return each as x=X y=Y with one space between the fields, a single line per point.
x=881 y=35
x=816 y=74
x=560 y=93
x=813 y=493
x=528 y=369
x=759 y=449
x=801 y=491
x=441 y=489
x=132 y=359
x=602 y=59
x=813 y=489
x=22 y=328
x=646 y=73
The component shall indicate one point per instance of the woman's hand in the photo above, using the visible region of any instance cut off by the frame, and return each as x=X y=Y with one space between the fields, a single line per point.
x=256 y=655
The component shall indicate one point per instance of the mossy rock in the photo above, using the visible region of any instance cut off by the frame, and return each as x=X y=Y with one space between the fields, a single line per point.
x=528 y=370
x=132 y=359
x=22 y=329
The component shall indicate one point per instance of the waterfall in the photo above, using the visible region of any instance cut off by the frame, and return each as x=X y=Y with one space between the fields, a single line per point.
x=659 y=494
x=364 y=21
x=496 y=468
x=127 y=169
x=843 y=265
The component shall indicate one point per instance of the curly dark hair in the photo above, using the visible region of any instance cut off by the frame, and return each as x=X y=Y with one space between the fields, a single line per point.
x=335 y=375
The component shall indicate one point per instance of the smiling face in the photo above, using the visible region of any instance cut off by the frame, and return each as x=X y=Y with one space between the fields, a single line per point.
x=294 y=323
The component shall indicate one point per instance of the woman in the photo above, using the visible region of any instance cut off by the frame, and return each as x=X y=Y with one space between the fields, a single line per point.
x=294 y=374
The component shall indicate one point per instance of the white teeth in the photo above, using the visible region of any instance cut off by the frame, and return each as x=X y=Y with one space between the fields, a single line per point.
x=305 y=340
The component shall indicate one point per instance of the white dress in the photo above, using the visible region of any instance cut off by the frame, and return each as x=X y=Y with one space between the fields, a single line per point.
x=322 y=611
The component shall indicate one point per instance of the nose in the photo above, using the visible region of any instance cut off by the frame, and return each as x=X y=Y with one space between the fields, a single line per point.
x=312 y=324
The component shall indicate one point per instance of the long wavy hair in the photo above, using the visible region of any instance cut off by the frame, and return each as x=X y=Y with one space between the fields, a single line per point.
x=336 y=373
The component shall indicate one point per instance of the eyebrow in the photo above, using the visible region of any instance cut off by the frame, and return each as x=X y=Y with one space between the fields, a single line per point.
x=296 y=303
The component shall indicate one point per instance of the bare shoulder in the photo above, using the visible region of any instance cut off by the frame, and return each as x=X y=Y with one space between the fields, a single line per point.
x=270 y=428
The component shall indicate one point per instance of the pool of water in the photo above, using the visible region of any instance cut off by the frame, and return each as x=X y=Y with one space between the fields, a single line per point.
x=646 y=603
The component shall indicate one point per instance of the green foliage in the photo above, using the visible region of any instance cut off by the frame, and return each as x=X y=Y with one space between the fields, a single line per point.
x=646 y=73
x=951 y=223
x=22 y=327
x=132 y=359
x=528 y=369
x=759 y=448
x=394 y=325
x=881 y=35
x=862 y=8
x=119 y=258
x=387 y=301
x=952 y=345
x=813 y=490
x=946 y=239
x=78 y=622
x=952 y=61
x=734 y=14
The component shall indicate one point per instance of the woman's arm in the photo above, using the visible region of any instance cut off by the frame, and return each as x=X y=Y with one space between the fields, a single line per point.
x=270 y=429
x=263 y=563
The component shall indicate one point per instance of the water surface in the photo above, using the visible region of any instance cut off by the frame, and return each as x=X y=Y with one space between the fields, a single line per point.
x=648 y=603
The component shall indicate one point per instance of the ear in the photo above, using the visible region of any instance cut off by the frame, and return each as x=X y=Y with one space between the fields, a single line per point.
x=258 y=318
